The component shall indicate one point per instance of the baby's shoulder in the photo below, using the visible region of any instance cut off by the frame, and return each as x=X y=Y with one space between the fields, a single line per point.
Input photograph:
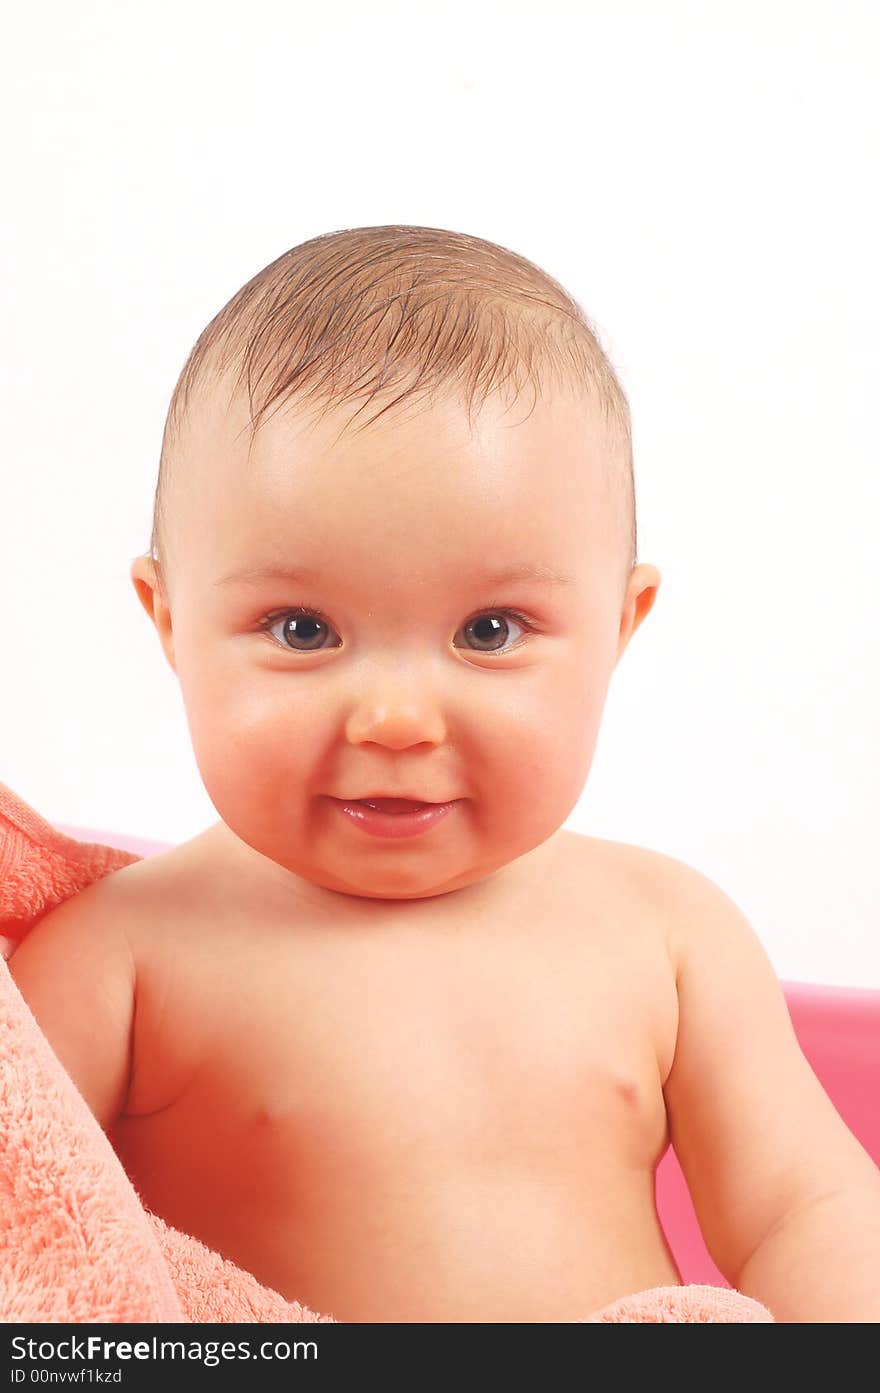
x=139 y=896
x=167 y=911
x=689 y=910
x=162 y=895
x=644 y=893
x=628 y=872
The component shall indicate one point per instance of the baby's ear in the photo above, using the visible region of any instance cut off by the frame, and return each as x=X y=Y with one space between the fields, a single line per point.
x=640 y=596
x=151 y=594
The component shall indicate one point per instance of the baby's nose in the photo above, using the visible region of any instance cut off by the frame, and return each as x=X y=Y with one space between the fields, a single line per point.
x=397 y=722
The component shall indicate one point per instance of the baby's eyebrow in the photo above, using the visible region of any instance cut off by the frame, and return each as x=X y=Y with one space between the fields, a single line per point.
x=307 y=575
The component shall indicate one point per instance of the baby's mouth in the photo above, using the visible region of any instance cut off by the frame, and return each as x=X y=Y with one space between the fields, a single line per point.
x=393 y=805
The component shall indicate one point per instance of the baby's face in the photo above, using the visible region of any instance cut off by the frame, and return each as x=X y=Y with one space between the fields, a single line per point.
x=402 y=661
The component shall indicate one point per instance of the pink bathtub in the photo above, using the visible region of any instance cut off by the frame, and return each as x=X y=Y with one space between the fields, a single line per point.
x=839 y=1032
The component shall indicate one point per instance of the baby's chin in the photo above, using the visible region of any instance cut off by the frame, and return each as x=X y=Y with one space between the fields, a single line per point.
x=399 y=882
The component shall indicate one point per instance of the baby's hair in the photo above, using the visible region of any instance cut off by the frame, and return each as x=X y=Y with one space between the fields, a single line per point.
x=362 y=311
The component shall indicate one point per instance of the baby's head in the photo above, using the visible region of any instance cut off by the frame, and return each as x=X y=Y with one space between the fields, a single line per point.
x=421 y=428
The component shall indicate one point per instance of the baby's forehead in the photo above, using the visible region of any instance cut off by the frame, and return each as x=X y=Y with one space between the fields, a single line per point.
x=509 y=467
x=440 y=440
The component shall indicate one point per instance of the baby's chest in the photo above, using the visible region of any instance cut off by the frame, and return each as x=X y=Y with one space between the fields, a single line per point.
x=487 y=1059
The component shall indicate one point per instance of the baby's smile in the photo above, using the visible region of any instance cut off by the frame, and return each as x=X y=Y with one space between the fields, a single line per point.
x=394 y=818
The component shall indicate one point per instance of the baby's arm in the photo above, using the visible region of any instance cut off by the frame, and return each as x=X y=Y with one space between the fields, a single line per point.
x=76 y=972
x=787 y=1198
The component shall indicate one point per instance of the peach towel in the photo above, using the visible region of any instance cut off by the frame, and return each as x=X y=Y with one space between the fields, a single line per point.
x=76 y=1244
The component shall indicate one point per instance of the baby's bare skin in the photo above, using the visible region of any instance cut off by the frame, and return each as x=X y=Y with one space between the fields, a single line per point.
x=445 y=1111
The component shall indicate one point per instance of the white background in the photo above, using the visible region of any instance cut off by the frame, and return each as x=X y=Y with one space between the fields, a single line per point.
x=702 y=177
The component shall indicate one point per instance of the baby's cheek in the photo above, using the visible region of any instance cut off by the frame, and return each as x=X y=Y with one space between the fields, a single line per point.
x=530 y=773
x=235 y=745
x=569 y=750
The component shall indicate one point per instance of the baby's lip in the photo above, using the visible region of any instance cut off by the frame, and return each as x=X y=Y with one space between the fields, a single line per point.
x=411 y=798
x=394 y=805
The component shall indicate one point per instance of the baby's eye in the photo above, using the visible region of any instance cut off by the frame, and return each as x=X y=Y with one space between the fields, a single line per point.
x=304 y=630
x=302 y=627
x=492 y=627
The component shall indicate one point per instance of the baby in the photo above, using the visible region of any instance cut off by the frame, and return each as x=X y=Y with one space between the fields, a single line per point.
x=387 y=1035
